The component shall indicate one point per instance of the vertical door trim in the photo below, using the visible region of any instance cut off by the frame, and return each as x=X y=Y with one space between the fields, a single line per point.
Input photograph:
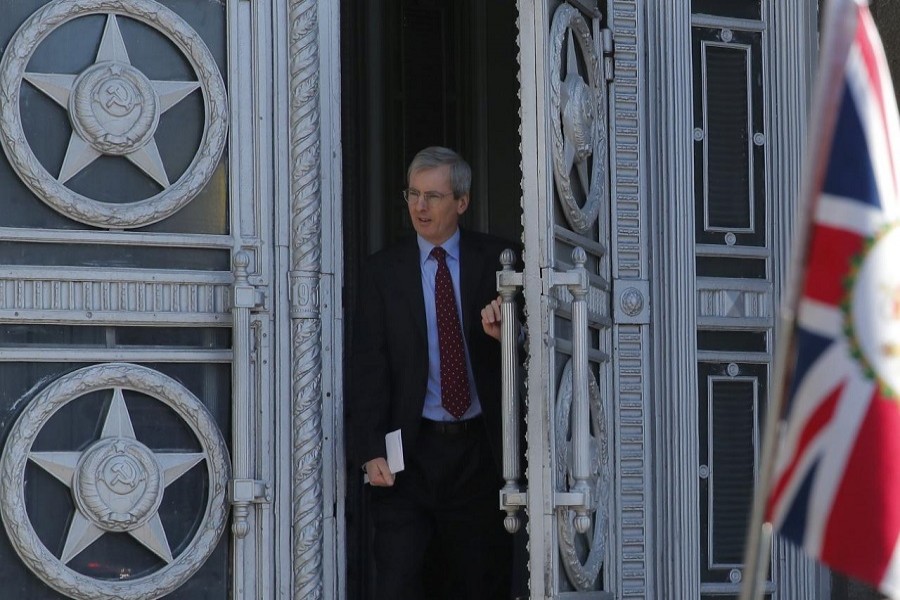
x=307 y=502
x=309 y=328
x=675 y=364
x=792 y=48
x=299 y=231
x=630 y=564
x=332 y=302
x=533 y=23
x=251 y=201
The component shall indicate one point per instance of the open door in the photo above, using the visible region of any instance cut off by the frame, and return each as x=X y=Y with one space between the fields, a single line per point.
x=567 y=285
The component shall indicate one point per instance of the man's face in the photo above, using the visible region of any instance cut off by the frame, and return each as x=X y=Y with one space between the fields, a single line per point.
x=435 y=219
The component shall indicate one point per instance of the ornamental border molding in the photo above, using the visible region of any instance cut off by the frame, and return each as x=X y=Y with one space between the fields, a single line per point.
x=583 y=574
x=631 y=570
x=46 y=187
x=598 y=302
x=28 y=425
x=87 y=298
x=580 y=218
x=305 y=147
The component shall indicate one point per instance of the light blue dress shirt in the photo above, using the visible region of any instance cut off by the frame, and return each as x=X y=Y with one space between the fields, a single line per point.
x=433 y=409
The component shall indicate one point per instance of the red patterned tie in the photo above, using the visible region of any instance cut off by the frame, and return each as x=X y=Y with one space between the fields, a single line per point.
x=454 y=377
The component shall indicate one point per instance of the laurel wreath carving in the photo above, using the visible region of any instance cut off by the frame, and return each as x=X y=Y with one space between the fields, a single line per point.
x=582 y=572
x=567 y=19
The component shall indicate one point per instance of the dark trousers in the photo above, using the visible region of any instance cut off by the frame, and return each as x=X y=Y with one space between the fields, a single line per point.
x=438 y=531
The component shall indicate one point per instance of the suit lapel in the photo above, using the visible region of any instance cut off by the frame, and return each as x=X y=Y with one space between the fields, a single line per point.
x=471 y=265
x=409 y=285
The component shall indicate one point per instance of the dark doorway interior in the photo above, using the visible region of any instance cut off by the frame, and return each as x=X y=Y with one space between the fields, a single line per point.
x=887 y=17
x=417 y=73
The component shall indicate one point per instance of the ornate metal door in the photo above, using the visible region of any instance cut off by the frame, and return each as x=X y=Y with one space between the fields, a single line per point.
x=134 y=269
x=567 y=284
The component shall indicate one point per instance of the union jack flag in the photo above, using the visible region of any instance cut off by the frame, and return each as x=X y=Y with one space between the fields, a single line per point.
x=835 y=488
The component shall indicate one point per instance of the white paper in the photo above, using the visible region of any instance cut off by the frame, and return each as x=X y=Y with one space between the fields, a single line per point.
x=394 y=445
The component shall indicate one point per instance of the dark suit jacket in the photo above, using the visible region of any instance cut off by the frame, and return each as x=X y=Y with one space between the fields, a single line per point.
x=389 y=367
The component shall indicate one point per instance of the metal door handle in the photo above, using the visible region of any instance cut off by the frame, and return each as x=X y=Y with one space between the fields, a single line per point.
x=512 y=497
x=579 y=497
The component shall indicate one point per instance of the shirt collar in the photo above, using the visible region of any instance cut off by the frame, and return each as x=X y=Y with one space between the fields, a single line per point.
x=451 y=246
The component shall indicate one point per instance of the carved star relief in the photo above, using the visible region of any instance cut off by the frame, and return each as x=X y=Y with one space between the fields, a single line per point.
x=117 y=484
x=575 y=105
x=113 y=107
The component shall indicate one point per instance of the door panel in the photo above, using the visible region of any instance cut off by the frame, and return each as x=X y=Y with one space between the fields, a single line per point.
x=50 y=505
x=117 y=294
x=567 y=288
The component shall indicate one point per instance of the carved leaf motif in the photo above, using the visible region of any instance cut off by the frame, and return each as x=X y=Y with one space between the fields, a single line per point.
x=582 y=555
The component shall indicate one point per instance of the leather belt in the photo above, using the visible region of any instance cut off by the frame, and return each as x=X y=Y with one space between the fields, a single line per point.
x=453 y=428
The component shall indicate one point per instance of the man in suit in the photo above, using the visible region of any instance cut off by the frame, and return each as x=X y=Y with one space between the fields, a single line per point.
x=423 y=363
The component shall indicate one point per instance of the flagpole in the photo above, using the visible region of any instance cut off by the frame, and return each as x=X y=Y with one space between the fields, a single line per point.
x=840 y=25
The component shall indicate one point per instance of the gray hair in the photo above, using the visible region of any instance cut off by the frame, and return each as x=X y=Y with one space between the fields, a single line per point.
x=438 y=156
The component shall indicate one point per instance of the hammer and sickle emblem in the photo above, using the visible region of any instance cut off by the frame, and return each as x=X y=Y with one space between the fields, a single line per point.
x=117 y=99
x=124 y=473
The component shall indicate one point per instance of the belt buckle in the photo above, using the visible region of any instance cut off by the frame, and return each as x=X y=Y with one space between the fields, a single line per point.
x=461 y=427
x=452 y=428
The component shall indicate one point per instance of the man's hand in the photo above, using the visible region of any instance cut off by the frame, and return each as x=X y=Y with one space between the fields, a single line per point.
x=379 y=473
x=490 y=319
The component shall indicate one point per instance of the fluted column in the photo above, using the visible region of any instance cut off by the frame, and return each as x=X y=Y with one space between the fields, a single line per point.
x=675 y=383
x=792 y=46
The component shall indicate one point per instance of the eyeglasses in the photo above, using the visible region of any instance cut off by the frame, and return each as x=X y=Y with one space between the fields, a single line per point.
x=411 y=196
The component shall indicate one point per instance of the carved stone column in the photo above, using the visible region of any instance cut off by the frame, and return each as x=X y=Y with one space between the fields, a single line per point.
x=306 y=323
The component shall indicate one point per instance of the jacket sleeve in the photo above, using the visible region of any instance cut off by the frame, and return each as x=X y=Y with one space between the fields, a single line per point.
x=368 y=372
